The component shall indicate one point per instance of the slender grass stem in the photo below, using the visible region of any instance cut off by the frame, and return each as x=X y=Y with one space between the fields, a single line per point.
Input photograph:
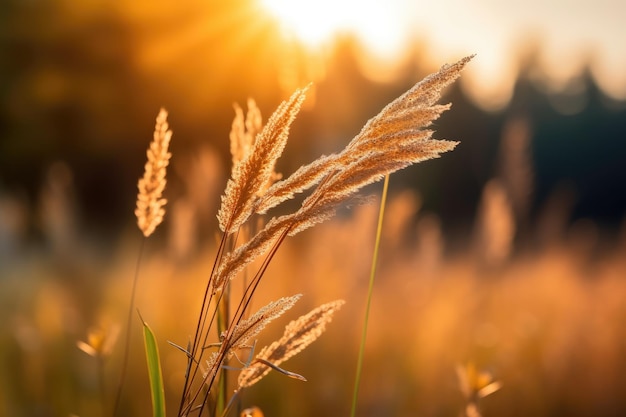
x=239 y=314
x=222 y=325
x=370 y=291
x=129 y=320
x=200 y=326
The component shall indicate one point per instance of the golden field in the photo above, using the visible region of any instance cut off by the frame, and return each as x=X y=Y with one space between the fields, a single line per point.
x=546 y=321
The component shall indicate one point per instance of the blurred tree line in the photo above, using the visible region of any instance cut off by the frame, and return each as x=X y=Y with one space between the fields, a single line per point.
x=81 y=83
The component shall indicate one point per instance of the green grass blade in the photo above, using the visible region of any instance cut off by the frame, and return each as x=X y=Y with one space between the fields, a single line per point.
x=370 y=290
x=154 y=372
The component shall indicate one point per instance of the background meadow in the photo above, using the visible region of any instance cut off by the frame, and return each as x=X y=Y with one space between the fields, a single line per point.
x=508 y=252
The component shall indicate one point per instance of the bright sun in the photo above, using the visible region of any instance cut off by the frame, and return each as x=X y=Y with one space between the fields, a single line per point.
x=309 y=21
x=316 y=22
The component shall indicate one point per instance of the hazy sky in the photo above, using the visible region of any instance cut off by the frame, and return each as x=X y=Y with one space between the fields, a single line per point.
x=567 y=32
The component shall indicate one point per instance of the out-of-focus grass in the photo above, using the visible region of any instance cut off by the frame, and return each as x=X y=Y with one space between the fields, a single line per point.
x=548 y=323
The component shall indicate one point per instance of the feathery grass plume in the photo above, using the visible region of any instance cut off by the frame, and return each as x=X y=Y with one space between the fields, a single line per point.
x=372 y=167
x=150 y=205
x=244 y=131
x=305 y=177
x=252 y=326
x=252 y=174
x=394 y=139
x=243 y=134
x=400 y=126
x=210 y=364
x=323 y=203
x=298 y=335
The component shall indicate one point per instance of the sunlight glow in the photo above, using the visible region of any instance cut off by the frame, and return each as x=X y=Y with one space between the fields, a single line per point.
x=318 y=22
x=590 y=33
x=306 y=19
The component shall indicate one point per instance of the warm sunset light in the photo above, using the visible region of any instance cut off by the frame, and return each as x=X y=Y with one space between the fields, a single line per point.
x=496 y=31
x=430 y=193
x=316 y=23
x=306 y=19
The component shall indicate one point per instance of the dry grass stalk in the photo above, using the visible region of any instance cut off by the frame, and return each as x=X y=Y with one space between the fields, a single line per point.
x=399 y=128
x=252 y=326
x=252 y=174
x=298 y=335
x=387 y=143
x=244 y=131
x=235 y=261
x=150 y=204
x=401 y=122
x=305 y=177
x=394 y=139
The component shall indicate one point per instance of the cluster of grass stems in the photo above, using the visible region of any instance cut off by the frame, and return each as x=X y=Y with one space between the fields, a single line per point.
x=226 y=330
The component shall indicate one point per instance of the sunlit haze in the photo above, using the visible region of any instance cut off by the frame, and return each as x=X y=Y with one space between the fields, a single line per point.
x=566 y=35
x=316 y=23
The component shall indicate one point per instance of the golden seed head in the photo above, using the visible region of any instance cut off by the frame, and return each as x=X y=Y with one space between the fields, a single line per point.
x=150 y=204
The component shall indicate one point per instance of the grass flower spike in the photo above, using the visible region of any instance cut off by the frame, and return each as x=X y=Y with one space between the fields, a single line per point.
x=251 y=326
x=150 y=204
x=298 y=335
x=252 y=174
